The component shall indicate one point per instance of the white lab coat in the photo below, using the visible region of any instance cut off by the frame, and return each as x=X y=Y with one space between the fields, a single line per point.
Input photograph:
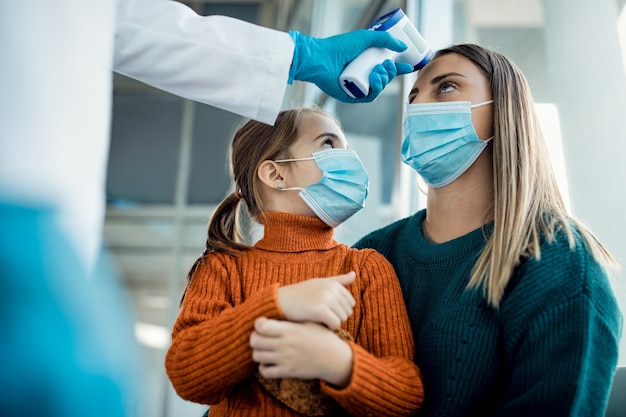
x=56 y=59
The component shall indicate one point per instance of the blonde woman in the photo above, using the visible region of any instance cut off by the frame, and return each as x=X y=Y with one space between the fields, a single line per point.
x=511 y=307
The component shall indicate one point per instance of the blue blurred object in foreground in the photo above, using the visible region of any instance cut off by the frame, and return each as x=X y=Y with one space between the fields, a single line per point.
x=67 y=348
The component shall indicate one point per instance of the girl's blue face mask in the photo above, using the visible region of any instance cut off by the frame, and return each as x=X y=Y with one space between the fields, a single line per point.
x=440 y=142
x=341 y=191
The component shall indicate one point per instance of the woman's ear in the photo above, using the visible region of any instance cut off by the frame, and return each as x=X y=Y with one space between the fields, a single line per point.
x=270 y=174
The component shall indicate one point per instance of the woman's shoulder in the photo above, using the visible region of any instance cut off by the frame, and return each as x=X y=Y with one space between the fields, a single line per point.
x=564 y=269
x=563 y=287
x=567 y=254
x=380 y=238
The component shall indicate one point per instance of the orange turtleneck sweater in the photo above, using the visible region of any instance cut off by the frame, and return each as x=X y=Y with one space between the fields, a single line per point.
x=210 y=360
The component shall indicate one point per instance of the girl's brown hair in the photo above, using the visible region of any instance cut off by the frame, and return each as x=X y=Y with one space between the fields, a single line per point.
x=253 y=143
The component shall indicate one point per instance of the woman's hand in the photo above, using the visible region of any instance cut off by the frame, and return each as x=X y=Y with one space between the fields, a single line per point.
x=285 y=349
x=320 y=300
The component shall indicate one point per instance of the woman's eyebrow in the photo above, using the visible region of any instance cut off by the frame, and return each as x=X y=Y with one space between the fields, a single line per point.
x=437 y=80
x=446 y=75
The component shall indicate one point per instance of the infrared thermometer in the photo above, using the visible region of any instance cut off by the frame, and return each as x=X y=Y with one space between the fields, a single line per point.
x=355 y=77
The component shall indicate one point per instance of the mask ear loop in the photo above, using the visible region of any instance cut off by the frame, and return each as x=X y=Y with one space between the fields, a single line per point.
x=421 y=185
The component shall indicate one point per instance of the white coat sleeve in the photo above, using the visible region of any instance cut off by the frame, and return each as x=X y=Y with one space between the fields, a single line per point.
x=217 y=60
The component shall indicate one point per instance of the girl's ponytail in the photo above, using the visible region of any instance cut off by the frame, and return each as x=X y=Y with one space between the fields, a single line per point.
x=223 y=234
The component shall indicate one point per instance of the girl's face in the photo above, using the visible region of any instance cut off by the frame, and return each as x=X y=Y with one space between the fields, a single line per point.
x=451 y=77
x=316 y=133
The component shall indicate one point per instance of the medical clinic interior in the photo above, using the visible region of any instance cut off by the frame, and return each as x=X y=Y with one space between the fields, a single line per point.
x=160 y=197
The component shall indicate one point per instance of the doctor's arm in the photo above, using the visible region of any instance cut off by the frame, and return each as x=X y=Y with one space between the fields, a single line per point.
x=235 y=65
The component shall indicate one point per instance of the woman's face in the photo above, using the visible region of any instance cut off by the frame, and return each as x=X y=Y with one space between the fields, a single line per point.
x=451 y=77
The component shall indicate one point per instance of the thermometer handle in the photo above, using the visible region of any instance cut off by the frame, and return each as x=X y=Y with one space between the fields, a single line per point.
x=355 y=77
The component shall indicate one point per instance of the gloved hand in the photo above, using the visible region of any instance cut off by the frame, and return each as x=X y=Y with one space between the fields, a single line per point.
x=321 y=61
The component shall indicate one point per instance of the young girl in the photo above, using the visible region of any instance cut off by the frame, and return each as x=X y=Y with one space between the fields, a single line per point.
x=252 y=313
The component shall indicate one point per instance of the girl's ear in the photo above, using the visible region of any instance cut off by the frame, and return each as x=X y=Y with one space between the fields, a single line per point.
x=270 y=174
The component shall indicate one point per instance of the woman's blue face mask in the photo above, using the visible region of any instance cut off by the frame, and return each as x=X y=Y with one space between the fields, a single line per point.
x=440 y=142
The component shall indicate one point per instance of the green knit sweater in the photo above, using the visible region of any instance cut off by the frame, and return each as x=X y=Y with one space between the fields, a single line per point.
x=549 y=350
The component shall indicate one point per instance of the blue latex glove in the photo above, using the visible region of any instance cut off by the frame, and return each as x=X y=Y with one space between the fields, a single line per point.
x=321 y=61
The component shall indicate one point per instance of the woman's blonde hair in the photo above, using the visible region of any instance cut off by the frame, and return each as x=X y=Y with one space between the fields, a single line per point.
x=527 y=202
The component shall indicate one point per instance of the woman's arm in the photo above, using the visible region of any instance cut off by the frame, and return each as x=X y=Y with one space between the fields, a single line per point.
x=562 y=328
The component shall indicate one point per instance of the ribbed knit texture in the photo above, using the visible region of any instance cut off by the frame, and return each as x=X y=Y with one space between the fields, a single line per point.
x=210 y=360
x=550 y=350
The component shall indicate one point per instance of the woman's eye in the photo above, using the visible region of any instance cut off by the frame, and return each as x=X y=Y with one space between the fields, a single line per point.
x=327 y=143
x=446 y=88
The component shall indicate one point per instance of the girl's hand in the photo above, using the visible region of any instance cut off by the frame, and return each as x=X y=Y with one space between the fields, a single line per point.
x=285 y=349
x=320 y=300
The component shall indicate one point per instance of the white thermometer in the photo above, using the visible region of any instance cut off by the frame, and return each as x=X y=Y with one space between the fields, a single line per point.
x=355 y=77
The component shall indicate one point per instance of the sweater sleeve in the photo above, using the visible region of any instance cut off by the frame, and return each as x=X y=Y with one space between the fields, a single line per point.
x=210 y=350
x=562 y=328
x=385 y=381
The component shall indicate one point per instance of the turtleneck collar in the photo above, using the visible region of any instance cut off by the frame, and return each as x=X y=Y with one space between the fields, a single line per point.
x=286 y=232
